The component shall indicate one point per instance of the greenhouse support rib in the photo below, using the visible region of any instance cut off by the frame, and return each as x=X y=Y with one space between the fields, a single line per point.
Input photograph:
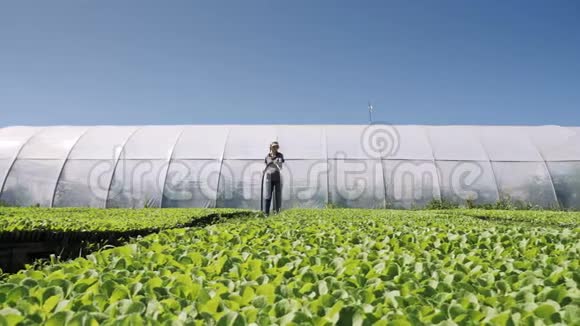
x=426 y=131
x=490 y=165
x=167 y=168
x=547 y=171
x=117 y=159
x=64 y=163
x=16 y=158
x=217 y=188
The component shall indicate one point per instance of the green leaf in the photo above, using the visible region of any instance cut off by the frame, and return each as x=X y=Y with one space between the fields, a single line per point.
x=248 y=295
x=10 y=320
x=400 y=322
x=16 y=294
x=119 y=293
x=58 y=319
x=455 y=311
x=501 y=286
x=438 y=317
x=82 y=319
x=392 y=270
x=232 y=319
x=557 y=294
x=131 y=320
x=350 y=316
x=210 y=306
x=51 y=303
x=282 y=308
x=260 y=301
x=65 y=285
x=107 y=287
x=333 y=313
x=545 y=310
x=170 y=304
x=322 y=287
x=250 y=313
x=309 y=277
x=571 y=314
x=136 y=307
x=10 y=316
x=501 y=319
x=267 y=290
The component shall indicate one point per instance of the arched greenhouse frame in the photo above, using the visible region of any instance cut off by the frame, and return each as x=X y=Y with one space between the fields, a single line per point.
x=372 y=166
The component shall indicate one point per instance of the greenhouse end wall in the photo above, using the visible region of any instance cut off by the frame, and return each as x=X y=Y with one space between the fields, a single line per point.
x=370 y=166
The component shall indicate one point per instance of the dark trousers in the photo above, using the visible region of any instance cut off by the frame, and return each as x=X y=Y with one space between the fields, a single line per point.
x=273 y=188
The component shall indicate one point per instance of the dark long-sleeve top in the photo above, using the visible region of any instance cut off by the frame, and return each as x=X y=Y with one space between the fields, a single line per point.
x=274 y=163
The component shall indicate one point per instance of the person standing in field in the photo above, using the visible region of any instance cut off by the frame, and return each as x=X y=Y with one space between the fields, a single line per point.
x=273 y=187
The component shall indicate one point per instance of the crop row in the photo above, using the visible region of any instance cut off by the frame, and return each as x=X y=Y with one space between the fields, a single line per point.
x=23 y=221
x=317 y=267
x=27 y=234
x=541 y=218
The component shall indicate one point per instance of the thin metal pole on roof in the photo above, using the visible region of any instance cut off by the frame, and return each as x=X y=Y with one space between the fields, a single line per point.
x=370 y=106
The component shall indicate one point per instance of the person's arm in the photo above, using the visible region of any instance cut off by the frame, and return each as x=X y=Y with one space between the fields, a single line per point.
x=280 y=162
x=268 y=160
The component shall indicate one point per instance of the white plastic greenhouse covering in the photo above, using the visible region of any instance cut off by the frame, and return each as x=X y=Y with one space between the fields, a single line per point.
x=372 y=166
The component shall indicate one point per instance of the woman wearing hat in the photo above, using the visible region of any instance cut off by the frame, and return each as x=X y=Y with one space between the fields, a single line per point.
x=274 y=161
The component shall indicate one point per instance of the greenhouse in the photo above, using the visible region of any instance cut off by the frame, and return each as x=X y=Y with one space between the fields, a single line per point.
x=374 y=166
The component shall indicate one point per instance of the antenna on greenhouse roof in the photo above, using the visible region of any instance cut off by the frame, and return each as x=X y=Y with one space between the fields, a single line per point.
x=370 y=106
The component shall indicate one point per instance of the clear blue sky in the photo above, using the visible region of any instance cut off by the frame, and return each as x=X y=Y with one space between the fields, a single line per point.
x=179 y=62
